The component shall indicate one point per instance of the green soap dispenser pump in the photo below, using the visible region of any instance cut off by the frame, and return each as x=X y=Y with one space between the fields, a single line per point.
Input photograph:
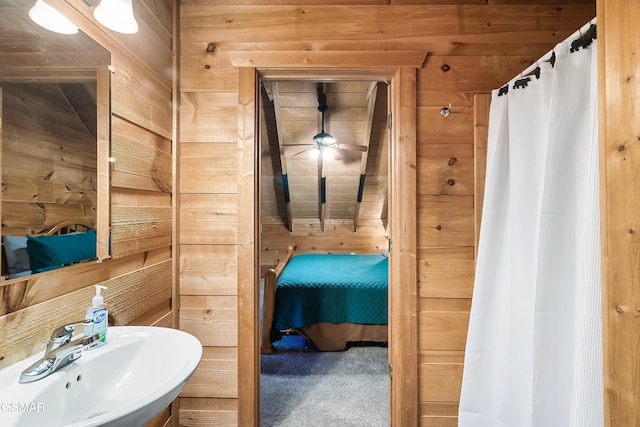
x=98 y=313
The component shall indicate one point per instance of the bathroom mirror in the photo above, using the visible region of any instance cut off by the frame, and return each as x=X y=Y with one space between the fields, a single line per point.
x=55 y=121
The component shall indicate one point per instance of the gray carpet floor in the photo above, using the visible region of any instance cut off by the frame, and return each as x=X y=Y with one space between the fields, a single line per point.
x=342 y=389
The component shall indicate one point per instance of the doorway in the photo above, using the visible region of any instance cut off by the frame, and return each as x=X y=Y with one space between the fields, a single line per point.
x=402 y=231
x=324 y=190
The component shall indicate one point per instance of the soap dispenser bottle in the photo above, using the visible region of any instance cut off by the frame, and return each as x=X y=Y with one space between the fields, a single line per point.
x=98 y=313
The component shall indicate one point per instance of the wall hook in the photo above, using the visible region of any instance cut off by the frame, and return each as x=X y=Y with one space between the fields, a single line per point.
x=446 y=111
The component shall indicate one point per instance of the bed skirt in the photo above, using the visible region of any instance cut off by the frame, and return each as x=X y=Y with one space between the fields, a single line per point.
x=334 y=337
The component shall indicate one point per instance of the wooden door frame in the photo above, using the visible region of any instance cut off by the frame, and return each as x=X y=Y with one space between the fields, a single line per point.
x=403 y=342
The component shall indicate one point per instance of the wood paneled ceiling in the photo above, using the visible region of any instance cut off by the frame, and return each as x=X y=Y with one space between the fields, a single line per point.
x=301 y=183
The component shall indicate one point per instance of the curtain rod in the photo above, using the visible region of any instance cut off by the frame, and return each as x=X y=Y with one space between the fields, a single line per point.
x=547 y=56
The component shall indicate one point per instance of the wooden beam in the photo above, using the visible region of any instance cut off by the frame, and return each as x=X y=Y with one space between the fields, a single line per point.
x=248 y=269
x=358 y=201
x=372 y=93
x=343 y=59
x=337 y=74
x=275 y=95
x=403 y=346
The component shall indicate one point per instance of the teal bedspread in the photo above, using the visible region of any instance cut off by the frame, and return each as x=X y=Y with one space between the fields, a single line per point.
x=333 y=288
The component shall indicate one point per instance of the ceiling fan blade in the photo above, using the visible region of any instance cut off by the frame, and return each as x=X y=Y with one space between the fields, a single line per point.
x=304 y=151
x=352 y=147
x=337 y=155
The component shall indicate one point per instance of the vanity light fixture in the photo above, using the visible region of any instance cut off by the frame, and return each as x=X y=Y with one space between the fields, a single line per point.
x=116 y=15
x=48 y=17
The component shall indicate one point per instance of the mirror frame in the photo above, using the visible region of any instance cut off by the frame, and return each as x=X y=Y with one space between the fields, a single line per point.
x=103 y=148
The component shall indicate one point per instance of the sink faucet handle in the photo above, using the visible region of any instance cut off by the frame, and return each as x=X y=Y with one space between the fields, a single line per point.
x=63 y=334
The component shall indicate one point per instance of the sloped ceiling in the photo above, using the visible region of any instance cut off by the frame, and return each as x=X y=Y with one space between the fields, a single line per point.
x=296 y=175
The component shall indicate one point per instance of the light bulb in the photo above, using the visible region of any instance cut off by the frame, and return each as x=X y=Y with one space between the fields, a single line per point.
x=314 y=153
x=117 y=15
x=48 y=17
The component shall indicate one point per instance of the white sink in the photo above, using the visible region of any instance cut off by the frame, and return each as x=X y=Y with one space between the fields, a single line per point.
x=126 y=382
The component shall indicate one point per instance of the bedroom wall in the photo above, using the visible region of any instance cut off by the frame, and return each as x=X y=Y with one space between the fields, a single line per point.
x=139 y=275
x=49 y=171
x=469 y=48
x=338 y=237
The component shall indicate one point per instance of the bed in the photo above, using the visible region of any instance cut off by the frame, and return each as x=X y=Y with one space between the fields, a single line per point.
x=64 y=243
x=331 y=299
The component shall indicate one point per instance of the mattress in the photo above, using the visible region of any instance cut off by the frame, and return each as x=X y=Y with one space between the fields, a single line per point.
x=332 y=288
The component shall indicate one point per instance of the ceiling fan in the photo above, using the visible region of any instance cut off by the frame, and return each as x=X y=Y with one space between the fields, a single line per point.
x=324 y=139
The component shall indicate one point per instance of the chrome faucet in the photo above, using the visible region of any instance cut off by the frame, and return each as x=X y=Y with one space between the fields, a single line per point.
x=60 y=351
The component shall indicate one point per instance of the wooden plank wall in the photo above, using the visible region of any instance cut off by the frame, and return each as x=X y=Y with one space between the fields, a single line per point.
x=208 y=238
x=139 y=275
x=619 y=119
x=470 y=47
x=338 y=237
x=445 y=245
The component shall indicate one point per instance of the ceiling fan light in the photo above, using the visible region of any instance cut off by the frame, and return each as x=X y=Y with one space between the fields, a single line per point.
x=328 y=155
x=117 y=15
x=48 y=17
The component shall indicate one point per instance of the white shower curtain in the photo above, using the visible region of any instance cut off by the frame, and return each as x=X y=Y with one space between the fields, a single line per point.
x=534 y=348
